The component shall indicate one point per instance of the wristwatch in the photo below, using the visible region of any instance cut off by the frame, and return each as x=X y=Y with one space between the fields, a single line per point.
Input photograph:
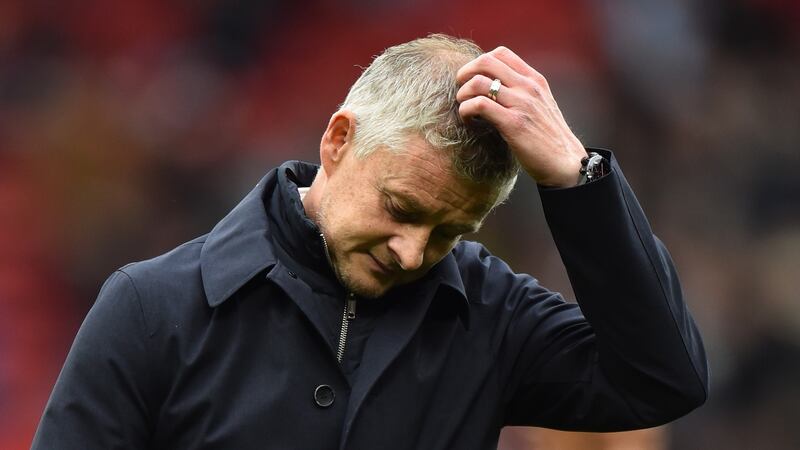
x=593 y=167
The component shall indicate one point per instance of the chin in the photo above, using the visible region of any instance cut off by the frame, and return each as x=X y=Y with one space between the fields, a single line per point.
x=365 y=288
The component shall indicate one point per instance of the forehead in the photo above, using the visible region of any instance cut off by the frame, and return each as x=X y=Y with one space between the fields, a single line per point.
x=423 y=175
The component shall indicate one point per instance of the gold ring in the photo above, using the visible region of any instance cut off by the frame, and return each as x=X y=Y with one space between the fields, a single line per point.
x=494 y=89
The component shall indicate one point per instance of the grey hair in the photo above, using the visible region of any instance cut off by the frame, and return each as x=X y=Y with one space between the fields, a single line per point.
x=410 y=89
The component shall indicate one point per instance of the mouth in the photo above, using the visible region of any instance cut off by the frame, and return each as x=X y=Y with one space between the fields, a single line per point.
x=380 y=267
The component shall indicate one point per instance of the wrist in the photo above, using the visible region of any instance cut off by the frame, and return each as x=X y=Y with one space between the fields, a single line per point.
x=568 y=174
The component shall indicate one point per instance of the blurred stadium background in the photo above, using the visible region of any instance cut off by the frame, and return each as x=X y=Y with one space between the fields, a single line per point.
x=130 y=126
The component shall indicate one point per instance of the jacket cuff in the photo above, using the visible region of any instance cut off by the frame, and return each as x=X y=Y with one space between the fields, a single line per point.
x=581 y=212
x=607 y=154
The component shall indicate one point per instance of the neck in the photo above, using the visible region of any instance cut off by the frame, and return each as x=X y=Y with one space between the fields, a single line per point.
x=313 y=196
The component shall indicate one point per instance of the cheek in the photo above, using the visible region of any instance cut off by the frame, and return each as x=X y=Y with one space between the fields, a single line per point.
x=355 y=226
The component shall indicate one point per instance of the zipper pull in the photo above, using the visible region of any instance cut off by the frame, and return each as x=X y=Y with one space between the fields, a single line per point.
x=351 y=306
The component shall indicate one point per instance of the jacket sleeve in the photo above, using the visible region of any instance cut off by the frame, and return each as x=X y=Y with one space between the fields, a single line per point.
x=99 y=400
x=631 y=356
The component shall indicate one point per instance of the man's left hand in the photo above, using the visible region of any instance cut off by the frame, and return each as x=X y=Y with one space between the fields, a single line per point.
x=525 y=113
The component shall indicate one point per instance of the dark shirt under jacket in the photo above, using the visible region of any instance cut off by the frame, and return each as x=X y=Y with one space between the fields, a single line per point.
x=229 y=341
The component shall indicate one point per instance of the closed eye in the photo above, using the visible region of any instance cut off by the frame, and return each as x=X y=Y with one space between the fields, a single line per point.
x=404 y=214
x=398 y=213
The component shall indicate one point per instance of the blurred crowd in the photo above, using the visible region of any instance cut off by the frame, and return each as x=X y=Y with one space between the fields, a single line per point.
x=131 y=126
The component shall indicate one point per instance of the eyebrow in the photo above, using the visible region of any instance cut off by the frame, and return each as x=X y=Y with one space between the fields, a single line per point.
x=410 y=203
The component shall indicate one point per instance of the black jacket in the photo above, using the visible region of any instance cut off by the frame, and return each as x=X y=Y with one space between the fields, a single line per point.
x=229 y=341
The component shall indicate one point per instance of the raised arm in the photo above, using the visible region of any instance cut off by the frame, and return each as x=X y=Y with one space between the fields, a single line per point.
x=631 y=356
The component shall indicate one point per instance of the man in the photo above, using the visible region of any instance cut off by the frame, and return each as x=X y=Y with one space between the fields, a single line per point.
x=336 y=307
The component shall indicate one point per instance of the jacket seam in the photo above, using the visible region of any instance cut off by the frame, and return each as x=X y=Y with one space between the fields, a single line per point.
x=147 y=342
x=661 y=286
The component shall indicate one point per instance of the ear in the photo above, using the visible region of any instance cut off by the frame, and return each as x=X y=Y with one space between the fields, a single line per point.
x=336 y=141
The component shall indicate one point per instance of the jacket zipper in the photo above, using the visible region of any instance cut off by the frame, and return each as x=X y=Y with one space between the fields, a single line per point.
x=348 y=315
x=349 y=308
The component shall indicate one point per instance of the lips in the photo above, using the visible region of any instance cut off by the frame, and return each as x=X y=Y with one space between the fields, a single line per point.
x=382 y=268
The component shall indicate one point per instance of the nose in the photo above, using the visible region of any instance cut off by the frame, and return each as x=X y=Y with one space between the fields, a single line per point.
x=408 y=247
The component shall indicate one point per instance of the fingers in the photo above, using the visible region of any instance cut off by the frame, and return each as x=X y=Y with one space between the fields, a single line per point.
x=524 y=113
x=483 y=107
x=517 y=77
x=513 y=61
x=523 y=95
x=507 y=66
x=491 y=67
x=479 y=85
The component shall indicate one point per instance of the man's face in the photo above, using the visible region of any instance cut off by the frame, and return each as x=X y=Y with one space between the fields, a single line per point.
x=389 y=217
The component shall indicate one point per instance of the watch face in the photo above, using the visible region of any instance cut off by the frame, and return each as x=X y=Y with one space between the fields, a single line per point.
x=596 y=166
x=601 y=168
x=593 y=167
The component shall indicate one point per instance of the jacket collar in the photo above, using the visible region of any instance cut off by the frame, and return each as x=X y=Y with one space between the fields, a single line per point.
x=237 y=248
x=270 y=224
